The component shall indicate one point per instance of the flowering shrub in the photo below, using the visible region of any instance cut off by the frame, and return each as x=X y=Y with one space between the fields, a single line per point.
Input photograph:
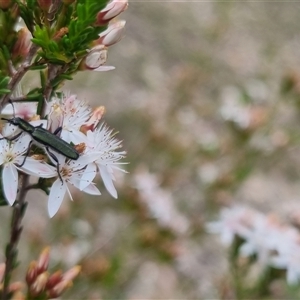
x=55 y=137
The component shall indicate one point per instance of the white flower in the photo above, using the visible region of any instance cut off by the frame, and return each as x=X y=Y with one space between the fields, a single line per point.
x=70 y=172
x=11 y=156
x=290 y=261
x=233 y=221
x=74 y=114
x=101 y=141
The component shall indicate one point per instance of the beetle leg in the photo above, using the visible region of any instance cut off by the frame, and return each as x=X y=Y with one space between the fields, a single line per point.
x=12 y=138
x=57 y=163
x=26 y=155
x=57 y=130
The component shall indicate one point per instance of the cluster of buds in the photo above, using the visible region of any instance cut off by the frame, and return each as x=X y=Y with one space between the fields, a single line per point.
x=41 y=283
x=98 y=54
x=94 y=142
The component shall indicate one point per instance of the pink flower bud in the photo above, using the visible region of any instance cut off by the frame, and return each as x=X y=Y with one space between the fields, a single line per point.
x=4 y=4
x=54 y=279
x=112 y=9
x=58 y=290
x=23 y=43
x=96 y=57
x=112 y=34
x=31 y=273
x=45 y=4
x=39 y=285
x=43 y=260
x=2 y=271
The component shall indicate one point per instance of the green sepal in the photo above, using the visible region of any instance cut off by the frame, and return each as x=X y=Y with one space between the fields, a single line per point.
x=38 y=67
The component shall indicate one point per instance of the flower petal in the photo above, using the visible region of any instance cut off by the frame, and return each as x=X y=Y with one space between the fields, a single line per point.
x=38 y=168
x=56 y=197
x=10 y=182
x=88 y=176
x=107 y=180
x=92 y=190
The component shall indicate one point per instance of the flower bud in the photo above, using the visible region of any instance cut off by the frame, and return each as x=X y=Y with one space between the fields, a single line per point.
x=2 y=271
x=54 y=279
x=59 y=288
x=96 y=57
x=112 y=9
x=72 y=273
x=39 y=285
x=23 y=43
x=4 y=4
x=43 y=261
x=31 y=273
x=112 y=34
x=44 y=4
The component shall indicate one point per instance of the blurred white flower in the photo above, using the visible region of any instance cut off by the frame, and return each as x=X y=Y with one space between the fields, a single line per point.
x=160 y=203
x=274 y=244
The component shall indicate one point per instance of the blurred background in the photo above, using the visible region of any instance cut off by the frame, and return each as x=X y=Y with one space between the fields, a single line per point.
x=206 y=98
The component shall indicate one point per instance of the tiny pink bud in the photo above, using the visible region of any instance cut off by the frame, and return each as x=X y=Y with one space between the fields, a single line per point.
x=31 y=273
x=96 y=57
x=112 y=34
x=59 y=288
x=54 y=279
x=43 y=260
x=112 y=9
x=72 y=273
x=2 y=271
x=23 y=43
x=4 y=4
x=44 y=4
x=39 y=285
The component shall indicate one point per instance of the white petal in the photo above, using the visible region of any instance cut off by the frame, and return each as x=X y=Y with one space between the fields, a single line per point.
x=92 y=190
x=10 y=182
x=107 y=180
x=22 y=144
x=104 y=68
x=88 y=176
x=56 y=197
x=38 y=168
x=73 y=135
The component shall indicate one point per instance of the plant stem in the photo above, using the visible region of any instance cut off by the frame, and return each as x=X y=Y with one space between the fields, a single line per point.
x=15 y=233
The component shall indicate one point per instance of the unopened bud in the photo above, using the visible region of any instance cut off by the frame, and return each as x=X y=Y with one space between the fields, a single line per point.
x=59 y=289
x=23 y=43
x=72 y=273
x=45 y=4
x=43 y=260
x=95 y=58
x=112 y=34
x=39 y=285
x=18 y=296
x=94 y=120
x=2 y=271
x=4 y=4
x=54 y=279
x=31 y=273
x=112 y=9
x=16 y=286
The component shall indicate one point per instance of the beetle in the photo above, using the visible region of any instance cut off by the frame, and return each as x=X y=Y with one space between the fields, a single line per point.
x=44 y=137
